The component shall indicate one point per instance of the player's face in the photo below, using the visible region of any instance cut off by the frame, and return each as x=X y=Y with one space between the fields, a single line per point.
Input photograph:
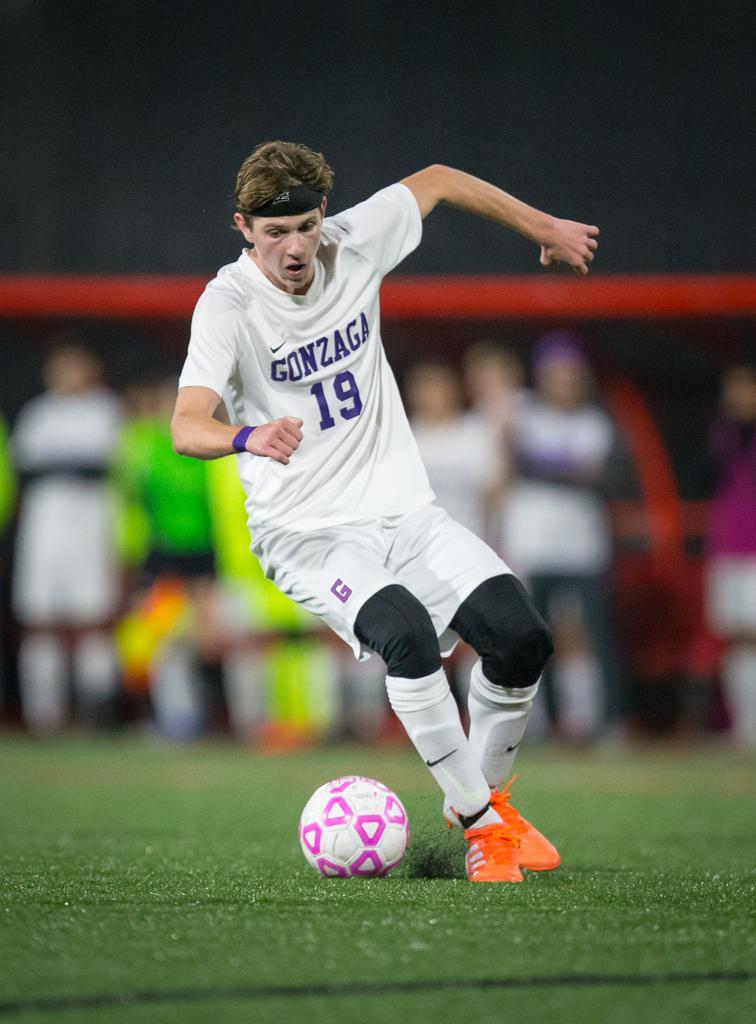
x=285 y=248
x=739 y=394
x=491 y=380
x=433 y=394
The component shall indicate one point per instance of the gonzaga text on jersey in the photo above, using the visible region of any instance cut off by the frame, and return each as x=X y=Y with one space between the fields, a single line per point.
x=332 y=348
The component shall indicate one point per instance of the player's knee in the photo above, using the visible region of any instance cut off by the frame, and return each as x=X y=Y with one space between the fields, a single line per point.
x=394 y=624
x=503 y=625
x=520 y=659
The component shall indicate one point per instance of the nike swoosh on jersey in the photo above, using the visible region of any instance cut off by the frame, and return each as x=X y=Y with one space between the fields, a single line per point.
x=277 y=347
x=440 y=759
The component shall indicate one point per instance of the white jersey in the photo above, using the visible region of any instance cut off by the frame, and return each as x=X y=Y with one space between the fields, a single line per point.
x=319 y=357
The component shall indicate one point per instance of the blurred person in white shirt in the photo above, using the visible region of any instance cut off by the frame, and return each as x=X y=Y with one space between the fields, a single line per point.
x=65 y=586
x=458 y=449
x=556 y=532
x=494 y=381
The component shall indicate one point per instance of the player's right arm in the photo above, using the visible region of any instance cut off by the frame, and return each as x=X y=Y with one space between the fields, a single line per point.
x=196 y=431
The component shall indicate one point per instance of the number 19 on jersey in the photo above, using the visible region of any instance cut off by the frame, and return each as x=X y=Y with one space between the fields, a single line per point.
x=345 y=391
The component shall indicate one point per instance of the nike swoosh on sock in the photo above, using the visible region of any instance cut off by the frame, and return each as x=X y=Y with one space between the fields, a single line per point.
x=440 y=759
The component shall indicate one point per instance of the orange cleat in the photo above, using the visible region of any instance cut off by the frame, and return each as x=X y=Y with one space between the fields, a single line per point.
x=492 y=854
x=535 y=852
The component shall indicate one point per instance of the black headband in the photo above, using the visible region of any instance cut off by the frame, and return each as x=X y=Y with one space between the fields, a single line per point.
x=294 y=200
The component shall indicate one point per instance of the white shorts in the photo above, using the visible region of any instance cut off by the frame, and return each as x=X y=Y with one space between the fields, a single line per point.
x=731 y=595
x=65 y=565
x=332 y=572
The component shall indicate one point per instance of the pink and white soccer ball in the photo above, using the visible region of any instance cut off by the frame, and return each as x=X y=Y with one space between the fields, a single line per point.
x=354 y=827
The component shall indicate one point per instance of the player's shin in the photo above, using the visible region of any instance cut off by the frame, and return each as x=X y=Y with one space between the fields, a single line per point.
x=498 y=718
x=429 y=714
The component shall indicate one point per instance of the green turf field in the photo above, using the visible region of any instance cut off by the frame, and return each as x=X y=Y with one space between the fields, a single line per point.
x=129 y=868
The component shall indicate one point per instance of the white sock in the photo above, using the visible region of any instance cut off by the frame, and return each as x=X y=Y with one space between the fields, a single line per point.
x=498 y=717
x=739 y=685
x=244 y=684
x=580 y=698
x=42 y=679
x=244 y=689
x=426 y=709
x=94 y=667
x=177 y=693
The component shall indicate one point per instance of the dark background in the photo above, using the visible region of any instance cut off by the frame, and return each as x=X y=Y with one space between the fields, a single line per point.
x=124 y=124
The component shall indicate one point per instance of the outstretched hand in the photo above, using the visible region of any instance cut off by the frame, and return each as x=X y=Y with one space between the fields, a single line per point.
x=571 y=243
x=276 y=440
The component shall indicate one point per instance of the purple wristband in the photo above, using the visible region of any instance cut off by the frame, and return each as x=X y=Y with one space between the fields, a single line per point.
x=239 y=443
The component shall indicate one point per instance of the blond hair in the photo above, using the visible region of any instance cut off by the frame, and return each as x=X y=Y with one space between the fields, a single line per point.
x=275 y=166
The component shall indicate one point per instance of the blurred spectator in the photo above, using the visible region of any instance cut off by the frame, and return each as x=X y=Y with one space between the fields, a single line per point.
x=203 y=612
x=170 y=634
x=7 y=481
x=731 y=596
x=7 y=496
x=458 y=450
x=66 y=583
x=494 y=381
x=556 y=533
x=280 y=678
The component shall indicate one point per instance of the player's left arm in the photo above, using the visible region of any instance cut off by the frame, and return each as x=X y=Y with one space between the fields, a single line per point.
x=560 y=241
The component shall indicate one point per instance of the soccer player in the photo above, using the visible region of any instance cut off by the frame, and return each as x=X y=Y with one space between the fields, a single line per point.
x=731 y=575
x=339 y=506
x=66 y=586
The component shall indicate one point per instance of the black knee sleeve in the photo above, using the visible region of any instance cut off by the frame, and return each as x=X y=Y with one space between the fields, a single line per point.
x=395 y=625
x=502 y=624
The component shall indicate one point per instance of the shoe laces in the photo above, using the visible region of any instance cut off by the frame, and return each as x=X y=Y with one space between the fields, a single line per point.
x=500 y=801
x=495 y=842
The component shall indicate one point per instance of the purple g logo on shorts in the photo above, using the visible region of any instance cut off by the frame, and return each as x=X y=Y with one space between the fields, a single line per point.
x=341 y=590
